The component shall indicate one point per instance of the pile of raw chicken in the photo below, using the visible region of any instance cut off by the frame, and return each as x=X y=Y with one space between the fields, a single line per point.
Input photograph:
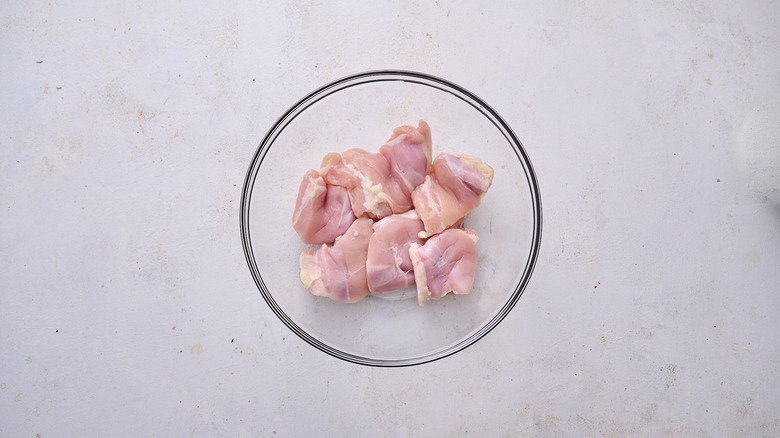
x=390 y=220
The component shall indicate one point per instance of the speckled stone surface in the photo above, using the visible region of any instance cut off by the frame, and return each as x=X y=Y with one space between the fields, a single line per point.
x=126 y=306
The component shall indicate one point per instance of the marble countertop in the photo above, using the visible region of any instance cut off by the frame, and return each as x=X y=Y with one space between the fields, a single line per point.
x=126 y=305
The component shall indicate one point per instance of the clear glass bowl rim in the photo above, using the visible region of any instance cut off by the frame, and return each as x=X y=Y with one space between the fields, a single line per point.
x=384 y=76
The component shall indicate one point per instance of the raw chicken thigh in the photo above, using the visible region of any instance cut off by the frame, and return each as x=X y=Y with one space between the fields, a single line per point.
x=339 y=272
x=389 y=266
x=322 y=212
x=411 y=198
x=445 y=264
x=366 y=176
x=381 y=184
x=451 y=191
x=409 y=152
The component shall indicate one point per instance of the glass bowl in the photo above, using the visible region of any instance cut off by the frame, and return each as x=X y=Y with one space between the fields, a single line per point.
x=360 y=111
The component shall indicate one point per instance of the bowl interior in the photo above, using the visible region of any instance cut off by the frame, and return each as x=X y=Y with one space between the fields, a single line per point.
x=390 y=329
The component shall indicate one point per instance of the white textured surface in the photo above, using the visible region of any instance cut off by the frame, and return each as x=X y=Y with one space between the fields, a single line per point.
x=126 y=308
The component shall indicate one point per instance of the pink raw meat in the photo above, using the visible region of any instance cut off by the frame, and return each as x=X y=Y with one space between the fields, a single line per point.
x=366 y=176
x=445 y=264
x=322 y=212
x=409 y=152
x=451 y=191
x=339 y=272
x=381 y=184
x=389 y=266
